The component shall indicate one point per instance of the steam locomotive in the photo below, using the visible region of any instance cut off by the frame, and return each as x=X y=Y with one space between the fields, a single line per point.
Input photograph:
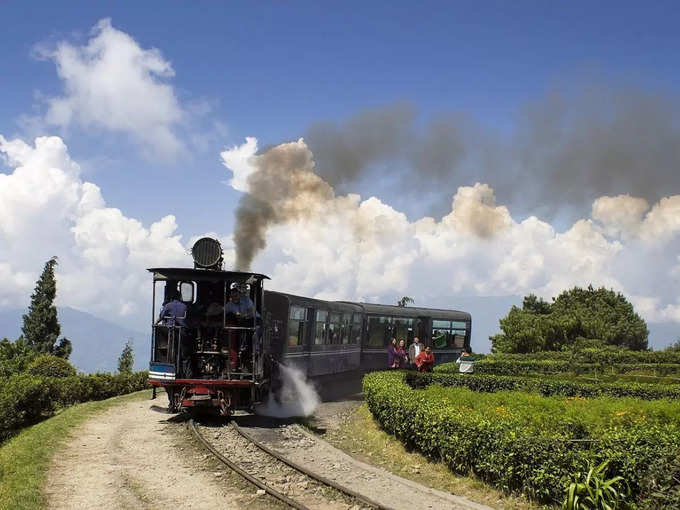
x=220 y=337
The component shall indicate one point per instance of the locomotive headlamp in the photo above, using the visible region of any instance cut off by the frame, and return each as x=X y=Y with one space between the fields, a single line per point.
x=207 y=253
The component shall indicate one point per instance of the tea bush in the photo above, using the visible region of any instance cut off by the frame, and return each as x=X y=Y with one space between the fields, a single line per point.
x=609 y=356
x=26 y=399
x=545 y=386
x=524 y=442
x=521 y=366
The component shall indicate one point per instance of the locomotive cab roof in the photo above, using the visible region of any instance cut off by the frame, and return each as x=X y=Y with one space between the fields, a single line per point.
x=204 y=275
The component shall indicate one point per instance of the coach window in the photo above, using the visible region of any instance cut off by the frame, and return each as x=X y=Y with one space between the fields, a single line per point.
x=355 y=335
x=334 y=328
x=441 y=333
x=321 y=327
x=296 y=325
x=458 y=330
x=403 y=329
x=379 y=331
x=346 y=328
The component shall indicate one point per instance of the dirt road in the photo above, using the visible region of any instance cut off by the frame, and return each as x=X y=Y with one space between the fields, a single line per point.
x=131 y=457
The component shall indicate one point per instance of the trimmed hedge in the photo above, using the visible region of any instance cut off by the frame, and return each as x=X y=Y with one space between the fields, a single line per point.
x=543 y=386
x=522 y=366
x=523 y=442
x=26 y=399
x=604 y=356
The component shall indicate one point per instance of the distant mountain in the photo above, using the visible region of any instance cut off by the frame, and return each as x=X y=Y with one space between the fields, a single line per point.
x=97 y=343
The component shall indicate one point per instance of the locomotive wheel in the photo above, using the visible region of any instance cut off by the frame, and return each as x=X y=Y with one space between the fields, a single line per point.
x=174 y=400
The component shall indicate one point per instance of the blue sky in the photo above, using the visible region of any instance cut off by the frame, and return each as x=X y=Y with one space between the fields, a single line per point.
x=273 y=69
x=269 y=69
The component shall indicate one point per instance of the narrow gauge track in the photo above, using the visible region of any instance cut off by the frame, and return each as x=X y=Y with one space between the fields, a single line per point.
x=337 y=491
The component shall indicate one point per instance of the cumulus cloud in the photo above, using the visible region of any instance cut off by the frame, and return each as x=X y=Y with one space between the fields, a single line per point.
x=113 y=83
x=345 y=247
x=46 y=209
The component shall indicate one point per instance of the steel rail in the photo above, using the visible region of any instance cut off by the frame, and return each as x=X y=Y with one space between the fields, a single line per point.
x=305 y=471
x=269 y=490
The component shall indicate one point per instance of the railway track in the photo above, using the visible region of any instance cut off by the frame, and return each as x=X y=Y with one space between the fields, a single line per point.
x=287 y=481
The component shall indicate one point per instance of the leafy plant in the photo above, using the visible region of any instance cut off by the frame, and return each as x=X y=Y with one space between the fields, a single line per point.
x=576 y=318
x=593 y=492
x=404 y=301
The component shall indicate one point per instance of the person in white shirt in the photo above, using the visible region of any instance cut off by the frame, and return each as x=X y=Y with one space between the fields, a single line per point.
x=465 y=362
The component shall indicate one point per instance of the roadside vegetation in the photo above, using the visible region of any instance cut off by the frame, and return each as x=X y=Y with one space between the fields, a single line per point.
x=36 y=378
x=571 y=409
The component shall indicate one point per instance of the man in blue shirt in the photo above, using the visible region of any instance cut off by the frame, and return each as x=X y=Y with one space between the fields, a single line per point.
x=240 y=305
x=174 y=312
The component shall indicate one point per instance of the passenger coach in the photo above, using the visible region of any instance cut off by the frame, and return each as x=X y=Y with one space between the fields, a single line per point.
x=217 y=355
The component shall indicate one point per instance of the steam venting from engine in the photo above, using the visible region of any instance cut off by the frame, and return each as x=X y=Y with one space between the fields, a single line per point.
x=298 y=396
x=207 y=254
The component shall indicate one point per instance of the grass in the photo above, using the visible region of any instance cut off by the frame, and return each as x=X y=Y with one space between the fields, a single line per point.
x=25 y=459
x=361 y=436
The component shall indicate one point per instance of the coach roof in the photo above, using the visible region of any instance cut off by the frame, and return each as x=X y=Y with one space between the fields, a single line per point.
x=414 y=311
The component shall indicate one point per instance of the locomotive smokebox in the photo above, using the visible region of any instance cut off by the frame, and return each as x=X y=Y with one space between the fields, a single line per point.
x=207 y=254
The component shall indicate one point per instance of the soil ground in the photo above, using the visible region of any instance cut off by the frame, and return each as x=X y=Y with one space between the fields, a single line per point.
x=133 y=456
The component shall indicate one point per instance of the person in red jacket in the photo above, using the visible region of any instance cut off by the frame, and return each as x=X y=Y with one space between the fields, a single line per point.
x=425 y=360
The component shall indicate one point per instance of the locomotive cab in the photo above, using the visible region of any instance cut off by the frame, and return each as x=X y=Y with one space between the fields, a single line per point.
x=209 y=336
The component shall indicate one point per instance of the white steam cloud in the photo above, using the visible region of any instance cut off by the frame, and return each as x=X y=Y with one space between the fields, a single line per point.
x=297 y=398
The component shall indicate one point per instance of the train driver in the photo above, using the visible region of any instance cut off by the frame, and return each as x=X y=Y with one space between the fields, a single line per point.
x=174 y=312
x=240 y=304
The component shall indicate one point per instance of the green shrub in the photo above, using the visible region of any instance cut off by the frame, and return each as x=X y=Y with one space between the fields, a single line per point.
x=545 y=386
x=26 y=399
x=14 y=357
x=606 y=356
x=47 y=365
x=524 y=442
x=504 y=366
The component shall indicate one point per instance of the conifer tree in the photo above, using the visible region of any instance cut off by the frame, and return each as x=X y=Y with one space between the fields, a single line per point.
x=41 y=327
x=126 y=359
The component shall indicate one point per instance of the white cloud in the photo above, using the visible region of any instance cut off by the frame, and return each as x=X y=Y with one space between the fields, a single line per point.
x=239 y=160
x=113 y=83
x=621 y=215
x=350 y=248
x=46 y=209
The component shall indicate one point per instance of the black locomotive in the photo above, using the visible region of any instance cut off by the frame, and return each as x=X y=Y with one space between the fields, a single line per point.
x=220 y=336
